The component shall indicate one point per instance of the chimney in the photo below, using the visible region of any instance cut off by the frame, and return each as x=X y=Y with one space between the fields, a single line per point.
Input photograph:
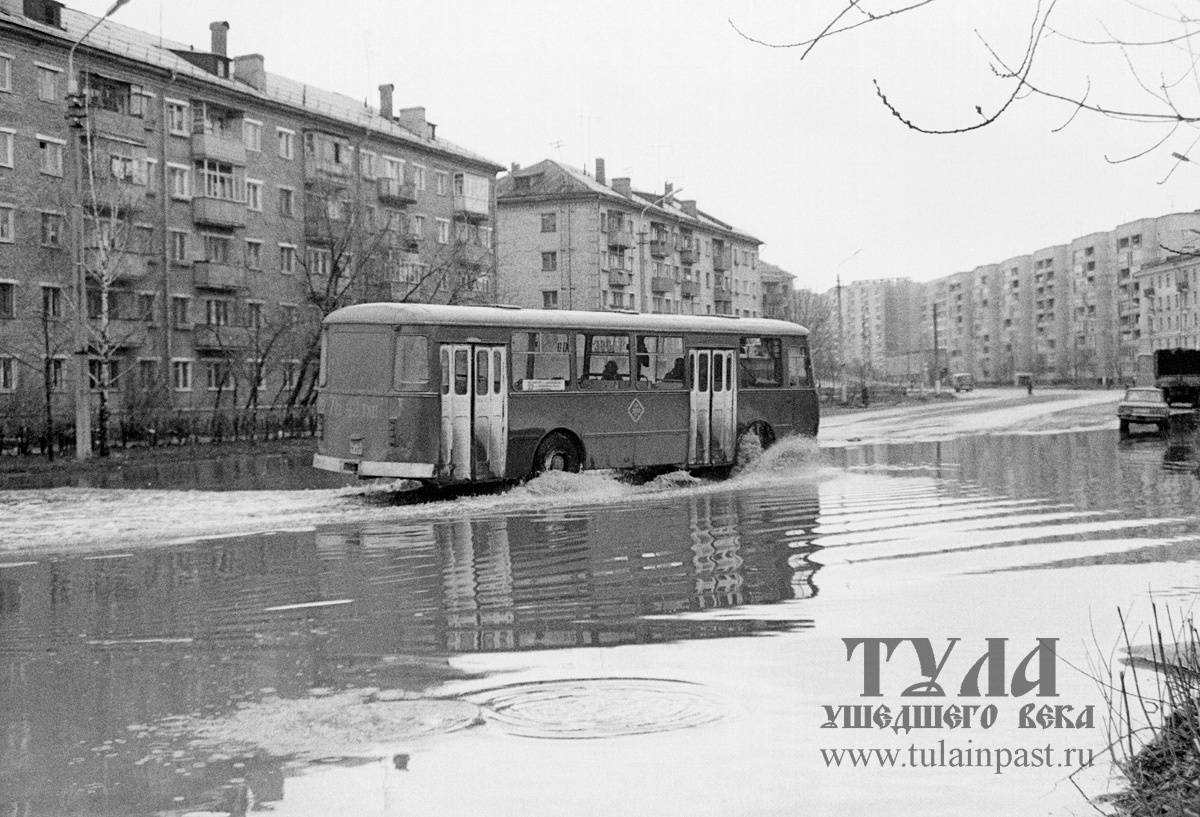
x=600 y=171
x=689 y=208
x=219 y=33
x=667 y=188
x=414 y=120
x=623 y=186
x=515 y=168
x=250 y=70
x=385 y=101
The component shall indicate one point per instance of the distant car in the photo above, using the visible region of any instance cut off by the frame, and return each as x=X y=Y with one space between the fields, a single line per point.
x=963 y=381
x=1144 y=405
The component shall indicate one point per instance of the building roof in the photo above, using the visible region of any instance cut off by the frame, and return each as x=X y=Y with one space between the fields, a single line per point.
x=440 y=314
x=129 y=43
x=560 y=179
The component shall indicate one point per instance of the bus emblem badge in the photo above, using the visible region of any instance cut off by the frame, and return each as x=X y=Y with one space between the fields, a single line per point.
x=636 y=410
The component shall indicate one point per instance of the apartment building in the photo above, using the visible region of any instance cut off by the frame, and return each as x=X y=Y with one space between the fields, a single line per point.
x=567 y=240
x=1076 y=312
x=777 y=292
x=879 y=326
x=218 y=212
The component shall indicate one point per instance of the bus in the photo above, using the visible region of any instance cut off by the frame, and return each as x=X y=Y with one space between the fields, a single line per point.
x=462 y=394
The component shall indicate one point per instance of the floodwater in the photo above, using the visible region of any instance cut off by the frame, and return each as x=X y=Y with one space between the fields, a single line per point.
x=583 y=646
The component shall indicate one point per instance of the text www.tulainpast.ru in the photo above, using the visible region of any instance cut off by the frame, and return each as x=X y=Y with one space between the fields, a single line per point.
x=942 y=756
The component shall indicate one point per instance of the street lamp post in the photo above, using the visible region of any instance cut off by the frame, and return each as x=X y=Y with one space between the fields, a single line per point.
x=77 y=114
x=642 y=243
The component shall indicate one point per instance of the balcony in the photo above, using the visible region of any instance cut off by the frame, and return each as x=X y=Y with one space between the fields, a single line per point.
x=396 y=191
x=619 y=278
x=722 y=259
x=690 y=289
x=208 y=336
x=661 y=283
x=689 y=256
x=723 y=293
x=660 y=248
x=218 y=212
x=126 y=333
x=111 y=123
x=474 y=209
x=218 y=148
x=619 y=238
x=115 y=266
x=211 y=275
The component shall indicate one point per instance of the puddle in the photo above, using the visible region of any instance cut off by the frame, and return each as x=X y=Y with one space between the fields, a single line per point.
x=597 y=707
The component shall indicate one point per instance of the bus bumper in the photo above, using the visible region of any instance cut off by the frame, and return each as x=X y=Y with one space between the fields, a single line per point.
x=398 y=470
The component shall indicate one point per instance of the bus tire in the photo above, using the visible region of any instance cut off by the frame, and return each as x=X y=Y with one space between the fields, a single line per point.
x=557 y=452
x=1124 y=428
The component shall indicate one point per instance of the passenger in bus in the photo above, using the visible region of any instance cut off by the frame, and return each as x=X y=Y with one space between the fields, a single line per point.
x=610 y=371
x=676 y=372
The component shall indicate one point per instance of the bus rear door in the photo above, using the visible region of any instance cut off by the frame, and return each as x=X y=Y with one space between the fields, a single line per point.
x=474 y=442
x=713 y=417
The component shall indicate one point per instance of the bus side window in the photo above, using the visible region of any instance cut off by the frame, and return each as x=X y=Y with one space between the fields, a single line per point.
x=602 y=361
x=497 y=368
x=541 y=361
x=445 y=371
x=759 y=362
x=659 y=362
x=411 y=369
x=702 y=373
x=799 y=372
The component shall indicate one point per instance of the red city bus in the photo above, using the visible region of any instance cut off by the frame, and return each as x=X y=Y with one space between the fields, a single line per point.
x=453 y=394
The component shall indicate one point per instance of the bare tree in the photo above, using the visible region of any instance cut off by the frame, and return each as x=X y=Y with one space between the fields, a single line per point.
x=1156 y=52
x=815 y=312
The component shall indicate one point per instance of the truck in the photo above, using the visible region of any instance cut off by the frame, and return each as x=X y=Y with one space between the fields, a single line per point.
x=1167 y=390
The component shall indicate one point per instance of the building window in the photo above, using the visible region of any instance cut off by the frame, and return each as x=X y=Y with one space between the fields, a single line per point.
x=218 y=249
x=254 y=254
x=178 y=246
x=290 y=367
x=549 y=299
x=216 y=312
x=219 y=180
x=179 y=181
x=290 y=314
x=58 y=380
x=177 y=118
x=287 y=143
x=443 y=182
x=127 y=169
x=47 y=84
x=52 y=302
x=287 y=258
x=254 y=314
x=50 y=153
x=7 y=212
x=8 y=299
x=52 y=226
x=181 y=375
x=254 y=195
x=6 y=72
x=101 y=376
x=418 y=226
x=320 y=261
x=6 y=147
x=252 y=135
x=443 y=227
x=549 y=222
x=419 y=177
x=8 y=374
x=549 y=261
x=366 y=164
x=287 y=202
x=180 y=307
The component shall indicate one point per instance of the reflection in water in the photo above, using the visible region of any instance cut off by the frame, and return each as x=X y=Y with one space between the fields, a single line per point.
x=99 y=655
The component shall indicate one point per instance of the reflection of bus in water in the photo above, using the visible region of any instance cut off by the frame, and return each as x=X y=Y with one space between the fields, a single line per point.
x=457 y=394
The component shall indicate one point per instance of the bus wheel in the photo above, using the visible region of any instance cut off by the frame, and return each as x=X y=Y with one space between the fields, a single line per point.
x=557 y=452
x=1124 y=427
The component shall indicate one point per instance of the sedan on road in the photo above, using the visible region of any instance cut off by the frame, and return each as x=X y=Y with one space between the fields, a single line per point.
x=1144 y=405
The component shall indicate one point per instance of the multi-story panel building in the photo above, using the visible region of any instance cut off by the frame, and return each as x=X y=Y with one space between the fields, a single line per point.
x=879 y=327
x=217 y=210
x=568 y=240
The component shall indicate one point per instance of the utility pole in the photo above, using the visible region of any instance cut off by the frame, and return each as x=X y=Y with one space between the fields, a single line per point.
x=937 y=369
x=841 y=340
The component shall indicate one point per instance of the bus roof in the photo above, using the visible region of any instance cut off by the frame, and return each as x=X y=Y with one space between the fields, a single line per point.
x=401 y=314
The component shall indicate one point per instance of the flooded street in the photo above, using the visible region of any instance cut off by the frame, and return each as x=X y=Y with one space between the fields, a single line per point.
x=580 y=645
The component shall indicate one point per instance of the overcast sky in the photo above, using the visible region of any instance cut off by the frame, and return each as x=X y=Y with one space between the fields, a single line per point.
x=800 y=153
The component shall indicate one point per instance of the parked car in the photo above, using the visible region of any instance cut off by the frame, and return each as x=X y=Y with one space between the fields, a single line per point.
x=1144 y=404
x=963 y=381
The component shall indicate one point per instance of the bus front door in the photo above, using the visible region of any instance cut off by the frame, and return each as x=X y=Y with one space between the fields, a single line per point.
x=474 y=442
x=713 y=416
